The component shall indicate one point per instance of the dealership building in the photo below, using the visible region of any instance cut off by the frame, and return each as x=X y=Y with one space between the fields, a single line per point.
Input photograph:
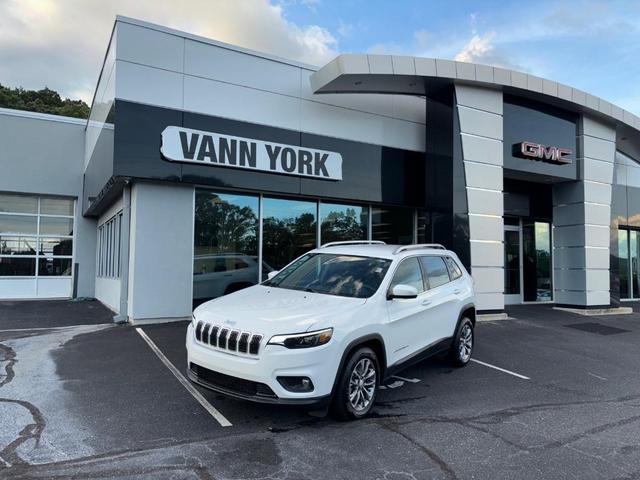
x=204 y=166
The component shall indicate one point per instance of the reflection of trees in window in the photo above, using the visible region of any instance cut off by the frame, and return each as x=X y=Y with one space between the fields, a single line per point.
x=343 y=225
x=224 y=227
x=287 y=238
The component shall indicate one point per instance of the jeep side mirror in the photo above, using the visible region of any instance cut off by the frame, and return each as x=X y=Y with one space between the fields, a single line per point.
x=272 y=274
x=403 y=291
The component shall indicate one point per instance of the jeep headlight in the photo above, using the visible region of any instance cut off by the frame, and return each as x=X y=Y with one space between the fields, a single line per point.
x=303 y=340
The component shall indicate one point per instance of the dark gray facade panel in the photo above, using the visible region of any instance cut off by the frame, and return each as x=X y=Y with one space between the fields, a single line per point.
x=100 y=167
x=371 y=173
x=526 y=120
x=445 y=185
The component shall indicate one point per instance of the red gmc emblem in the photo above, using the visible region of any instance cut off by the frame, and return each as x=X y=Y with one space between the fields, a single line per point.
x=537 y=151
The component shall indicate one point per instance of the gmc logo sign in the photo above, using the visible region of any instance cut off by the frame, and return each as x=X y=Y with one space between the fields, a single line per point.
x=537 y=151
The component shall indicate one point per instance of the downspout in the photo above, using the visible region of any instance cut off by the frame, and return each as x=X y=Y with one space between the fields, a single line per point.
x=125 y=235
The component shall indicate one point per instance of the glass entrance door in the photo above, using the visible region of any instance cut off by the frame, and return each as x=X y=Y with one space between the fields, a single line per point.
x=536 y=262
x=512 y=264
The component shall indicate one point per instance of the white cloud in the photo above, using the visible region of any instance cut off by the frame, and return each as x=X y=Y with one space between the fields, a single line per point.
x=477 y=48
x=61 y=43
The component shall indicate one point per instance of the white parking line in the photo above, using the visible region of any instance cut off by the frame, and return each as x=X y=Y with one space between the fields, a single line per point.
x=410 y=380
x=185 y=383
x=500 y=369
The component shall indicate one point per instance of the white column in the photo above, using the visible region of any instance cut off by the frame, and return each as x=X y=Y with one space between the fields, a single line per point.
x=480 y=115
x=161 y=253
x=582 y=217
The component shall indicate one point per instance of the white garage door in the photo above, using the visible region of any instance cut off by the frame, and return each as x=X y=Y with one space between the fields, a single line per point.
x=36 y=246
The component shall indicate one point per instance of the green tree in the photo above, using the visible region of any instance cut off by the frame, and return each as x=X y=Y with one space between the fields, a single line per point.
x=42 y=101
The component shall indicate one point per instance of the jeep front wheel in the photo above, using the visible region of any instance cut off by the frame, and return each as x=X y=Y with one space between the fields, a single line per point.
x=358 y=385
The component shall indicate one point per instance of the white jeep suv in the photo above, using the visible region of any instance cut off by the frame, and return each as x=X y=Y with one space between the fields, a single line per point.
x=332 y=325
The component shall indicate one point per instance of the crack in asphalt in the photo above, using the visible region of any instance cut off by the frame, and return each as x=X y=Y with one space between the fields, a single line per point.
x=390 y=423
x=502 y=416
x=446 y=469
x=32 y=431
x=8 y=355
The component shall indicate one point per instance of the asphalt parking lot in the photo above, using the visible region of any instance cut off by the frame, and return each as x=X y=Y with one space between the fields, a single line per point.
x=557 y=395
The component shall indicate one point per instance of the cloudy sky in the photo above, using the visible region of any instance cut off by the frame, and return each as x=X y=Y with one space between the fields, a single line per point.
x=592 y=45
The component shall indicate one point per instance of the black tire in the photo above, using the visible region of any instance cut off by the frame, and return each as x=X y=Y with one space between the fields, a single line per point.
x=341 y=405
x=459 y=356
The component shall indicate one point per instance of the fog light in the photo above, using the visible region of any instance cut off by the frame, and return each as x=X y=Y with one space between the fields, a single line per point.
x=296 y=384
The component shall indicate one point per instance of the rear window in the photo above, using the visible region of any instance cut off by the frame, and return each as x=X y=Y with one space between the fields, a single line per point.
x=454 y=269
x=436 y=270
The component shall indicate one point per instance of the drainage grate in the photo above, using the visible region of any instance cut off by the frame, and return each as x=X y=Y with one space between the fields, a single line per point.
x=597 y=328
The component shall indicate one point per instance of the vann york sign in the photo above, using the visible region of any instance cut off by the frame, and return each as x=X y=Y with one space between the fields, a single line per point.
x=214 y=149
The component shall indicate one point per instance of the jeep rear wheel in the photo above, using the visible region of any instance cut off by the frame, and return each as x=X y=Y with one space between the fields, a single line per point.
x=462 y=346
x=357 y=386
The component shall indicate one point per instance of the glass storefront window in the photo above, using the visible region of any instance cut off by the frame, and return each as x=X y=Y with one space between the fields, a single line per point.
x=536 y=261
x=32 y=243
x=225 y=243
x=623 y=266
x=633 y=256
x=54 y=267
x=227 y=231
x=343 y=222
x=17 y=245
x=542 y=233
x=56 y=206
x=18 y=224
x=17 y=267
x=12 y=203
x=56 y=246
x=56 y=226
x=392 y=225
x=512 y=262
x=289 y=230
x=424 y=232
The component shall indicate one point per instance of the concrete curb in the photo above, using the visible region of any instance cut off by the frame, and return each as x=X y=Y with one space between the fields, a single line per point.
x=590 y=312
x=492 y=317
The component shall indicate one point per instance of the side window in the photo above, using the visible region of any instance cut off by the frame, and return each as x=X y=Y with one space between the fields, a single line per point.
x=409 y=273
x=454 y=269
x=436 y=270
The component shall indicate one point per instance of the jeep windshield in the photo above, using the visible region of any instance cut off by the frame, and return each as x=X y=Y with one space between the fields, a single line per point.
x=333 y=274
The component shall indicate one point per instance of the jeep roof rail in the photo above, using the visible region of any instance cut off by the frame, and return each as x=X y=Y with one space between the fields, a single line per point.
x=415 y=246
x=354 y=242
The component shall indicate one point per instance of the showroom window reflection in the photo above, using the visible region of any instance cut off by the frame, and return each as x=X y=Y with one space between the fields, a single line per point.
x=228 y=228
x=628 y=268
x=225 y=243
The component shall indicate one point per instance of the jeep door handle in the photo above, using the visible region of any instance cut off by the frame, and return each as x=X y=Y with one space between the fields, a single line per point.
x=426 y=303
x=457 y=291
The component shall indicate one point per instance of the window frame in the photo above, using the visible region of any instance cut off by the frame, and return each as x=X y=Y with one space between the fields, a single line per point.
x=108 y=247
x=425 y=284
x=39 y=236
x=425 y=273
x=451 y=259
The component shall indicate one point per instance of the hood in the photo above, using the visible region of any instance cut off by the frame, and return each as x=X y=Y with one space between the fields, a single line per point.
x=273 y=311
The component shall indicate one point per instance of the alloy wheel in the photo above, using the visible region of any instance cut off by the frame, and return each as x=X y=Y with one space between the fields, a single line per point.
x=362 y=384
x=466 y=343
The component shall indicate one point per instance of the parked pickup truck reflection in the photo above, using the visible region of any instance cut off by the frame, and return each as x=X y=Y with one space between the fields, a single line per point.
x=215 y=275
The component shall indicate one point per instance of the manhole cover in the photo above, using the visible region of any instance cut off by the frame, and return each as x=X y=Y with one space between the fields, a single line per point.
x=597 y=328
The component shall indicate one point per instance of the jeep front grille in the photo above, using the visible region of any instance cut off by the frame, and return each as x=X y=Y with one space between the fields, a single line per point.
x=226 y=339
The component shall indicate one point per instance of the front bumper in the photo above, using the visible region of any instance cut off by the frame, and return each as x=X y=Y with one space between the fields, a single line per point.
x=254 y=378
